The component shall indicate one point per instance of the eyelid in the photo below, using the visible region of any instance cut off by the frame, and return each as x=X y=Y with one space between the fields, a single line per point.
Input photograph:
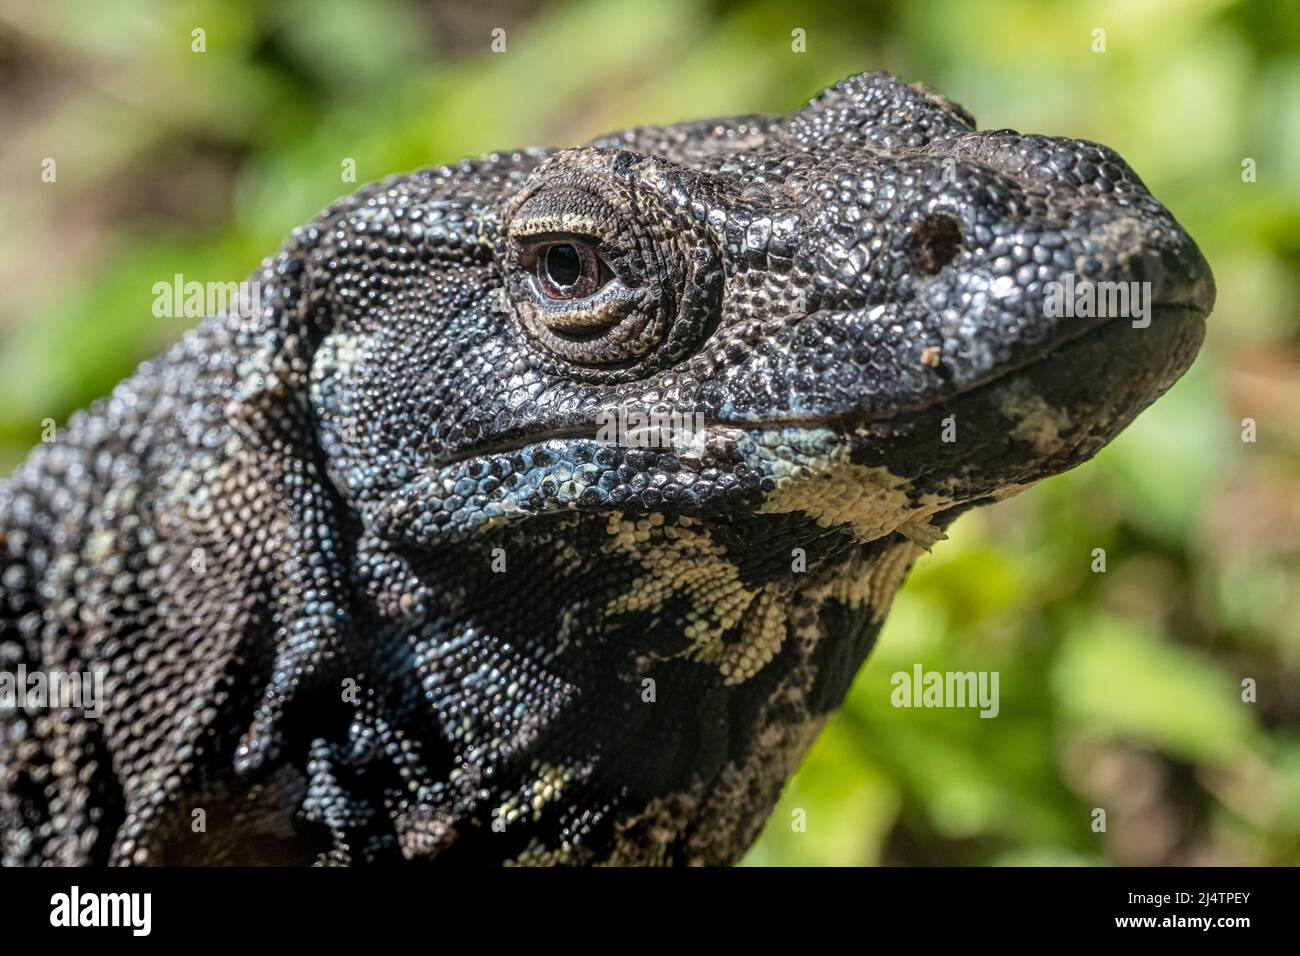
x=528 y=245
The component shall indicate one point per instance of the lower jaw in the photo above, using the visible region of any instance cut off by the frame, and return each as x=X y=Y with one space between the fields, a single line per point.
x=1114 y=355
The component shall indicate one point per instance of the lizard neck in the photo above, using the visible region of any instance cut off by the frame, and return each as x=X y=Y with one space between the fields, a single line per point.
x=696 y=659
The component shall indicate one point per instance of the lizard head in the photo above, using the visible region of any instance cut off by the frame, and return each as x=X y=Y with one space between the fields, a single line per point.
x=708 y=318
x=697 y=393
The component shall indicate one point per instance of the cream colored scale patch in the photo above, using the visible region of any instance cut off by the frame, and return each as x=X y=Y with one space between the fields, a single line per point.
x=681 y=558
x=834 y=491
x=1037 y=422
x=872 y=582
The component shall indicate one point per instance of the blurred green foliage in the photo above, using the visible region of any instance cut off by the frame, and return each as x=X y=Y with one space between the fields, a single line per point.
x=1119 y=690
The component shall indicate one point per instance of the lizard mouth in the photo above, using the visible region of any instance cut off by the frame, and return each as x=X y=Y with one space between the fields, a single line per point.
x=1046 y=415
x=1163 y=353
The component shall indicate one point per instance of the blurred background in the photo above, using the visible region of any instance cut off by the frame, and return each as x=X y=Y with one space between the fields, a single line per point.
x=1119 y=690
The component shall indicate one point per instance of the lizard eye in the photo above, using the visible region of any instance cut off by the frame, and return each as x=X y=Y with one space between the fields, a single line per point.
x=568 y=269
x=599 y=273
x=576 y=302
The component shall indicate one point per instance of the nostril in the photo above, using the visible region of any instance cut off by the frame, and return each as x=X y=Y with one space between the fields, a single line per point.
x=933 y=243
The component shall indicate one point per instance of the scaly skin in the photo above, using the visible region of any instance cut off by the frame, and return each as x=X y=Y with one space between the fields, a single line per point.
x=368 y=586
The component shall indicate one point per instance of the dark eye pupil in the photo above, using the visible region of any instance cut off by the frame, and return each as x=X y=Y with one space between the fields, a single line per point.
x=563 y=264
